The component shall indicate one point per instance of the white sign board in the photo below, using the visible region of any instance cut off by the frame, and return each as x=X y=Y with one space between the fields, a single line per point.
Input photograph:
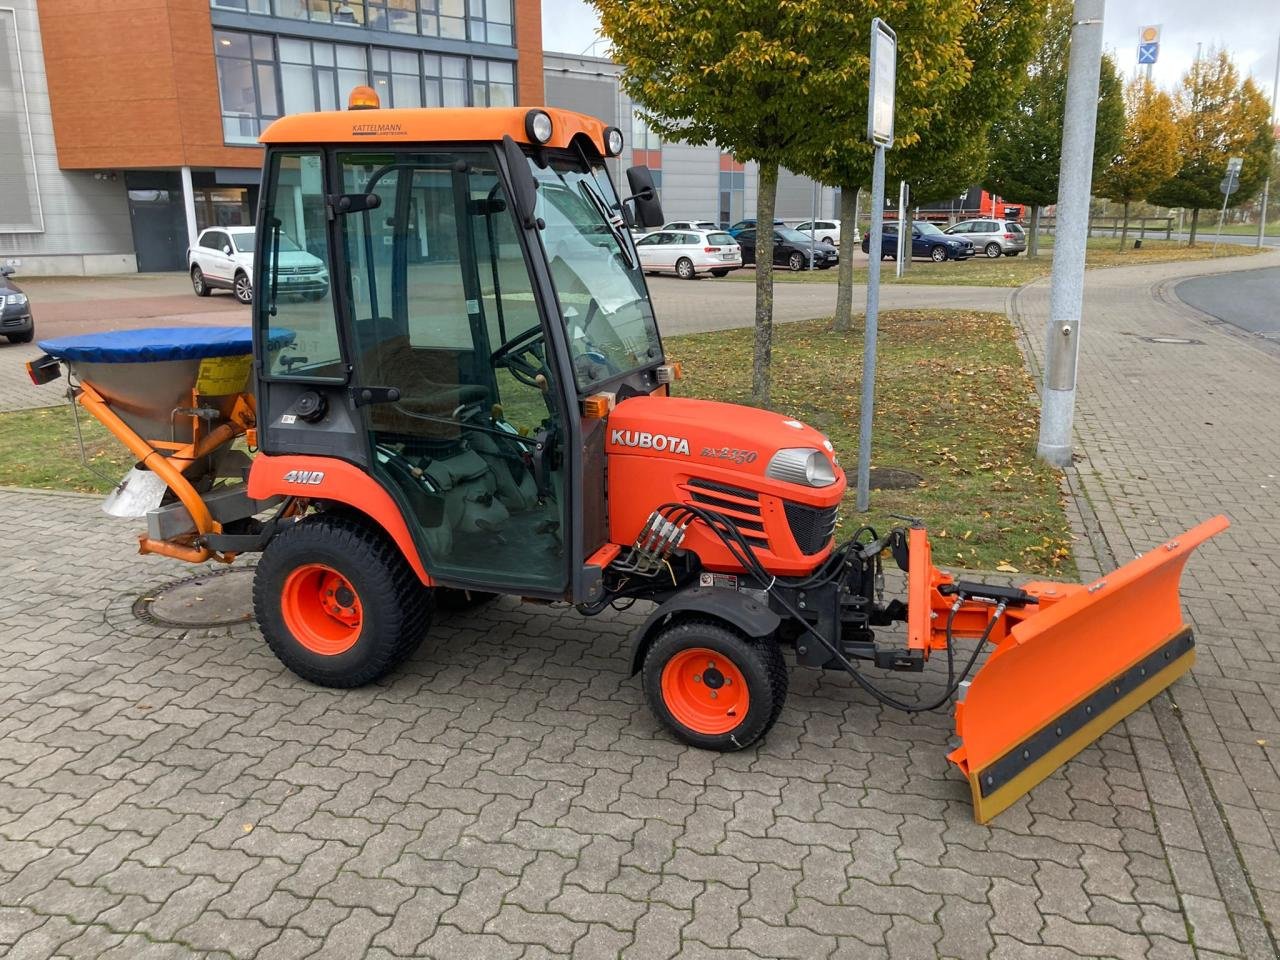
x=1235 y=164
x=1150 y=34
x=884 y=68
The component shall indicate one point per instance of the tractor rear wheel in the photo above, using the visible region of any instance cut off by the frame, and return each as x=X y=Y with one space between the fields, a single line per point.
x=337 y=603
x=711 y=686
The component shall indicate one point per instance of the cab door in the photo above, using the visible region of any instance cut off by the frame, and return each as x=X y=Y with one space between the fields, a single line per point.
x=465 y=419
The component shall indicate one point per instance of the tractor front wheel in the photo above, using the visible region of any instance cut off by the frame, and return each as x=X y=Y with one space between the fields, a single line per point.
x=711 y=686
x=337 y=603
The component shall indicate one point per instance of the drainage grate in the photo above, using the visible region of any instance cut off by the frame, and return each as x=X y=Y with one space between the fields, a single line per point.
x=1184 y=341
x=219 y=598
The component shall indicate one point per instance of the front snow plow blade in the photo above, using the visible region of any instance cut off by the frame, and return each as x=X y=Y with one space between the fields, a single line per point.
x=1070 y=666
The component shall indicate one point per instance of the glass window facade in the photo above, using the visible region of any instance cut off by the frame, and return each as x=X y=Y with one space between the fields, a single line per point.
x=646 y=148
x=493 y=83
x=733 y=184
x=484 y=21
x=262 y=76
x=247 y=85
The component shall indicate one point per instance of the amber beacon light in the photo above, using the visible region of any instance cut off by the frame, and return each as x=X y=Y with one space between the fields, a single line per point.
x=363 y=98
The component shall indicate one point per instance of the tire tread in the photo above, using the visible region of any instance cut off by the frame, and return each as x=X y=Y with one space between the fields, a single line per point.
x=395 y=588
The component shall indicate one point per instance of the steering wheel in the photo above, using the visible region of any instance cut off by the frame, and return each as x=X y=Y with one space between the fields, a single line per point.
x=515 y=356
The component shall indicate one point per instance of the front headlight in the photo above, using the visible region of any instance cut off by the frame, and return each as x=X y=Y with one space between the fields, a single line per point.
x=801 y=465
x=16 y=299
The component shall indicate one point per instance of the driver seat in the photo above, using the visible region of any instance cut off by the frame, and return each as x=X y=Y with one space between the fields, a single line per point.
x=429 y=388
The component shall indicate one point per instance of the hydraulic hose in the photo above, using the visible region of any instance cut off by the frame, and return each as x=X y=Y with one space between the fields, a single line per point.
x=744 y=553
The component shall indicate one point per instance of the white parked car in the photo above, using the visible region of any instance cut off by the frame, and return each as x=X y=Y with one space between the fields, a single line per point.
x=223 y=257
x=686 y=253
x=828 y=231
x=691 y=225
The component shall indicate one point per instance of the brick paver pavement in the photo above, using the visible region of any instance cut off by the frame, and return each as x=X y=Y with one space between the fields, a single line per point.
x=1169 y=434
x=505 y=794
x=177 y=793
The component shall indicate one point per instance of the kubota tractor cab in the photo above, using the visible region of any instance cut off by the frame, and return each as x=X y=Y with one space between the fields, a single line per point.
x=478 y=403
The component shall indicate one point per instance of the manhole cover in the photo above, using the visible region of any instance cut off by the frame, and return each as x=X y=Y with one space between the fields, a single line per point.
x=217 y=599
x=1187 y=341
x=891 y=478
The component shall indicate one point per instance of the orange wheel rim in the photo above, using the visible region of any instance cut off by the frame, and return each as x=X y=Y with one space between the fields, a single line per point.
x=321 y=609
x=705 y=691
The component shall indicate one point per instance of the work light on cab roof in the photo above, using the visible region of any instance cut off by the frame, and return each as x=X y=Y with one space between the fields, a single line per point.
x=475 y=400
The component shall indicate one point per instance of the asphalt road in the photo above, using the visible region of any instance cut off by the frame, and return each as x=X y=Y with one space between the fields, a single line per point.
x=696 y=306
x=1246 y=299
x=1205 y=234
x=65 y=306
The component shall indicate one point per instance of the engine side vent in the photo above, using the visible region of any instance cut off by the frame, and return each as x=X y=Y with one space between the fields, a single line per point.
x=812 y=527
x=724 y=488
x=752 y=530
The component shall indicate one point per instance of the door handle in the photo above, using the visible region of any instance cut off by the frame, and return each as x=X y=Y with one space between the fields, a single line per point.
x=367 y=396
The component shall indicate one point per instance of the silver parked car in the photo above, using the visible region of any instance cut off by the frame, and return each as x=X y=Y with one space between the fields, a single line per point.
x=992 y=237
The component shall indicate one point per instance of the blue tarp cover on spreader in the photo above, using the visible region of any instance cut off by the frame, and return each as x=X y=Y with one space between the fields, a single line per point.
x=159 y=343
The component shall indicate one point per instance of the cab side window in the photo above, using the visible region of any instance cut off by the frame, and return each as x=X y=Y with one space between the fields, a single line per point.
x=295 y=301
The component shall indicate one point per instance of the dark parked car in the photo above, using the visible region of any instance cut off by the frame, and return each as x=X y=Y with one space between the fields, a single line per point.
x=15 y=310
x=790 y=249
x=926 y=241
x=749 y=223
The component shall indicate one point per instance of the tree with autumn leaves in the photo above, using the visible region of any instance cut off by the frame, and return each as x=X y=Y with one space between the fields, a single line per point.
x=1218 y=117
x=1026 y=141
x=784 y=82
x=1148 y=155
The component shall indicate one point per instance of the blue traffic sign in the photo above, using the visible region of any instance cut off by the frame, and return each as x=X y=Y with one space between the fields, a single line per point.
x=1148 y=52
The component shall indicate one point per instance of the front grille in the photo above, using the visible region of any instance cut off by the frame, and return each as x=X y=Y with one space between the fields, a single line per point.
x=744 y=516
x=812 y=527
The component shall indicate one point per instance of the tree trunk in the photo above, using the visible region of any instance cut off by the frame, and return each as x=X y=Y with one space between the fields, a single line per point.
x=1033 y=242
x=1195 y=219
x=848 y=230
x=766 y=195
x=1124 y=229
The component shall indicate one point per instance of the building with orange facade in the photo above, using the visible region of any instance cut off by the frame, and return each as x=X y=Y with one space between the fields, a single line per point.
x=126 y=127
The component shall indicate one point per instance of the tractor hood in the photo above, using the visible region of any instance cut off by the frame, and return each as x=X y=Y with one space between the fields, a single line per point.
x=707 y=433
x=717 y=456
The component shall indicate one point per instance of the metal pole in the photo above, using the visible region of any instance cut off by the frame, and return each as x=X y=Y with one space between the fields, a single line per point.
x=189 y=206
x=873 y=318
x=1266 y=184
x=902 y=229
x=813 y=225
x=1231 y=179
x=911 y=224
x=1066 y=289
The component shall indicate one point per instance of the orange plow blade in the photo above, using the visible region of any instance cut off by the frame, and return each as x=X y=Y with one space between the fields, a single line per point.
x=1068 y=672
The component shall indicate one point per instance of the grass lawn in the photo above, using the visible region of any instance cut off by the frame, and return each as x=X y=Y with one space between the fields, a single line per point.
x=954 y=404
x=38 y=448
x=1015 y=271
x=1239 y=229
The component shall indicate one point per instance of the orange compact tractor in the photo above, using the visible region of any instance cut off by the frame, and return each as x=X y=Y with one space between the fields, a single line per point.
x=461 y=391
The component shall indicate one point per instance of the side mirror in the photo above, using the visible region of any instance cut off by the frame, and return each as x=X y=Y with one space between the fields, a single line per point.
x=6 y=271
x=524 y=188
x=648 y=208
x=227 y=249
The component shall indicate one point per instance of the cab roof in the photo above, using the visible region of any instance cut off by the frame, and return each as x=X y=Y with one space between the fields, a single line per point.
x=430 y=125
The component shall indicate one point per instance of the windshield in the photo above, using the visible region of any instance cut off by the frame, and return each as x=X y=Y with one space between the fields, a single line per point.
x=928 y=229
x=243 y=239
x=603 y=303
x=794 y=236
